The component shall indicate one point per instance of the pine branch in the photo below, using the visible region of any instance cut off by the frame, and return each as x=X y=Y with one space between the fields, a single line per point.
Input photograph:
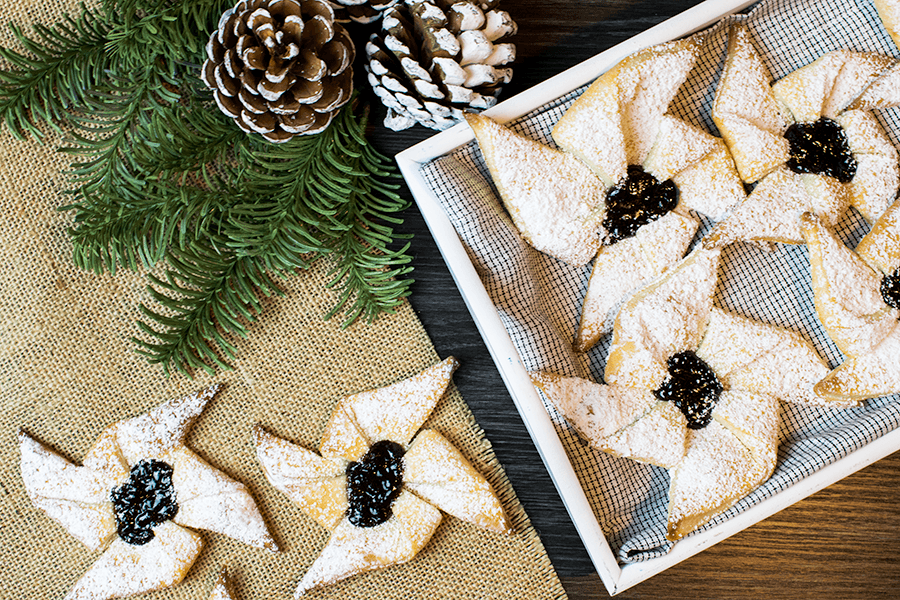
x=283 y=224
x=107 y=179
x=175 y=29
x=333 y=184
x=133 y=220
x=107 y=129
x=160 y=174
x=165 y=216
x=63 y=63
x=206 y=296
x=187 y=138
x=370 y=274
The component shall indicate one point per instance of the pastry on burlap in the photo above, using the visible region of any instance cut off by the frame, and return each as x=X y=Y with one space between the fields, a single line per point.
x=68 y=370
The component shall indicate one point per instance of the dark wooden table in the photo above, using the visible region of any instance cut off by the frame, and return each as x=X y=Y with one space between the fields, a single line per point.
x=841 y=543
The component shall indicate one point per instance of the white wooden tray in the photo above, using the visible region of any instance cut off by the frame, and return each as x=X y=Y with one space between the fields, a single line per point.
x=615 y=577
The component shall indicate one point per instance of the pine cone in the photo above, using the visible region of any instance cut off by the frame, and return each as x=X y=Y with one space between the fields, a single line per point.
x=435 y=59
x=361 y=11
x=280 y=68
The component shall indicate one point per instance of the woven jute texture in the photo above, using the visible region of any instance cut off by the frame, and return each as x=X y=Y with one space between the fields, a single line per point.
x=68 y=370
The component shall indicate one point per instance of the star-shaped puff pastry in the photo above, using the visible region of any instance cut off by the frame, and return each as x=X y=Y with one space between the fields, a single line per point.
x=847 y=289
x=622 y=121
x=836 y=91
x=80 y=499
x=435 y=475
x=715 y=463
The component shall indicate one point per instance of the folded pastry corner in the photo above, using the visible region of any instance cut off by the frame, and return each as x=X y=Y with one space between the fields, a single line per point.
x=222 y=588
x=857 y=298
x=554 y=200
x=724 y=462
x=621 y=421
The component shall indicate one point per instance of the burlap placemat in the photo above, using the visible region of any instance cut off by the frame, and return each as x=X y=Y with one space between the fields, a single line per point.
x=67 y=370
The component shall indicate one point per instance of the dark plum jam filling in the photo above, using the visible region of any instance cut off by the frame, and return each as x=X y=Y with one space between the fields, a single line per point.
x=374 y=483
x=692 y=386
x=636 y=200
x=890 y=289
x=821 y=147
x=146 y=500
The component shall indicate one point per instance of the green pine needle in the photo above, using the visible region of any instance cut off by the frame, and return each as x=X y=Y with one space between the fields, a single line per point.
x=205 y=294
x=159 y=174
x=60 y=66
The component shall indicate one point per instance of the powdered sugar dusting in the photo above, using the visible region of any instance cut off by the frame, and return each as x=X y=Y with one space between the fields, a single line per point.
x=717 y=470
x=756 y=151
x=877 y=177
x=622 y=267
x=318 y=486
x=873 y=374
x=744 y=100
x=850 y=305
x=667 y=316
x=711 y=186
x=889 y=11
x=153 y=434
x=124 y=569
x=75 y=497
x=647 y=84
x=591 y=129
x=753 y=418
x=595 y=410
x=555 y=201
x=752 y=356
x=352 y=550
x=677 y=146
x=209 y=499
x=396 y=412
x=880 y=248
x=436 y=471
x=221 y=590
x=847 y=292
x=658 y=437
x=744 y=108
x=828 y=85
x=884 y=92
x=771 y=212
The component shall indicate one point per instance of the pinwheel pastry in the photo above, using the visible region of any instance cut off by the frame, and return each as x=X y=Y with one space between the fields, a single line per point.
x=138 y=491
x=554 y=200
x=809 y=142
x=857 y=297
x=655 y=167
x=691 y=388
x=376 y=484
x=889 y=11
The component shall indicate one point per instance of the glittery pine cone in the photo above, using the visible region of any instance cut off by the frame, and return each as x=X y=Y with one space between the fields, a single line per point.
x=280 y=68
x=360 y=11
x=433 y=60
